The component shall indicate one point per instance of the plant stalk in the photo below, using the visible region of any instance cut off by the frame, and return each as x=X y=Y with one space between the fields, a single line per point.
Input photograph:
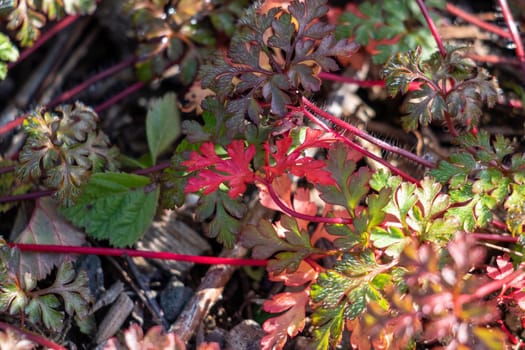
x=35 y=338
x=360 y=133
x=205 y=260
x=456 y=11
x=514 y=33
x=432 y=27
x=64 y=23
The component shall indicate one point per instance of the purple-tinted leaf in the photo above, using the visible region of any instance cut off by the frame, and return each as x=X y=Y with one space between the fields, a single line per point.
x=46 y=226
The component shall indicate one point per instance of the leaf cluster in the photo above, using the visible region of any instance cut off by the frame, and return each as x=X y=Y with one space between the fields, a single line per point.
x=181 y=32
x=28 y=17
x=484 y=177
x=452 y=87
x=21 y=296
x=63 y=148
x=389 y=27
x=274 y=58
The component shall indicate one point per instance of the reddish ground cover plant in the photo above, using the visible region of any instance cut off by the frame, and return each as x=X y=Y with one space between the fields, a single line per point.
x=383 y=258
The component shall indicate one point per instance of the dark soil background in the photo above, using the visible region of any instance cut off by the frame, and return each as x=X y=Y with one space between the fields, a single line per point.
x=159 y=290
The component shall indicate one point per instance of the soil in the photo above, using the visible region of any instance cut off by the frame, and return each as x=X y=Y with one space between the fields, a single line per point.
x=158 y=290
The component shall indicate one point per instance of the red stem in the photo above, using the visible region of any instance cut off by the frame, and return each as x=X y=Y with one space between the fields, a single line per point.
x=456 y=11
x=432 y=27
x=105 y=73
x=515 y=35
x=12 y=124
x=79 y=88
x=43 y=39
x=298 y=215
x=206 y=260
x=362 y=83
x=360 y=149
x=490 y=288
x=128 y=91
x=35 y=338
x=360 y=133
x=450 y=124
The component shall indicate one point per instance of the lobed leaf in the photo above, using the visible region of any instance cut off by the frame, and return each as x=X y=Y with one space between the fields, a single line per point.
x=292 y=306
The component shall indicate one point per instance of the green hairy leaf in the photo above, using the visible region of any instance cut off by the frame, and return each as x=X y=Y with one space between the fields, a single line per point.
x=115 y=206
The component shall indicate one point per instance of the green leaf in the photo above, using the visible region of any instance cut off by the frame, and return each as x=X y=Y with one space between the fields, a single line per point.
x=351 y=186
x=8 y=53
x=424 y=106
x=393 y=239
x=115 y=206
x=162 y=125
x=12 y=298
x=74 y=290
x=45 y=309
x=329 y=325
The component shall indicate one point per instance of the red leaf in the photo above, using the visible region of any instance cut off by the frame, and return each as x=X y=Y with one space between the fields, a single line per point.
x=503 y=269
x=295 y=162
x=287 y=324
x=213 y=171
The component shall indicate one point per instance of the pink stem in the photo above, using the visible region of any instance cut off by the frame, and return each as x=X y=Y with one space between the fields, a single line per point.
x=494 y=237
x=43 y=39
x=105 y=73
x=206 y=260
x=360 y=133
x=128 y=91
x=493 y=59
x=490 y=288
x=515 y=35
x=499 y=224
x=35 y=338
x=298 y=215
x=4 y=129
x=432 y=27
x=456 y=11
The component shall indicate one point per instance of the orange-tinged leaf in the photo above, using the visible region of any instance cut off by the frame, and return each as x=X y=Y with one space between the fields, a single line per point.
x=282 y=187
x=287 y=324
x=304 y=273
x=46 y=226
